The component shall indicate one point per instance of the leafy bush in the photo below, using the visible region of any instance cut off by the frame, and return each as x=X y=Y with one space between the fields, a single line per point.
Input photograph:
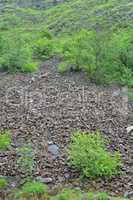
x=5 y=140
x=106 y=57
x=88 y=153
x=117 y=61
x=79 y=51
x=15 y=54
x=3 y=183
x=26 y=159
x=68 y=194
x=32 y=189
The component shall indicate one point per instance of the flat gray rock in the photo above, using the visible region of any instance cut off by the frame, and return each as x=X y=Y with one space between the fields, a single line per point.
x=53 y=149
x=44 y=180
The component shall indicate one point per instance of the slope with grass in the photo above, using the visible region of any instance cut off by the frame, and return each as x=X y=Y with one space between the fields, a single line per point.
x=109 y=24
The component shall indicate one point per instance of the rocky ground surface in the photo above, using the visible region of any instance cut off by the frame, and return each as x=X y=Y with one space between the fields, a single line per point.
x=44 y=108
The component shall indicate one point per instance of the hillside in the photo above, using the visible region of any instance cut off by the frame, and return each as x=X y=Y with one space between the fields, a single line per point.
x=108 y=23
x=73 y=15
x=66 y=72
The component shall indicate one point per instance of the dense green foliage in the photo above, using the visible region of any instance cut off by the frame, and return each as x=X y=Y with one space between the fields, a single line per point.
x=88 y=153
x=15 y=54
x=79 y=51
x=5 y=140
x=106 y=57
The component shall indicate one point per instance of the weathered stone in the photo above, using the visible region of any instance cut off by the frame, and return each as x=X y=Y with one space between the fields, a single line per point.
x=44 y=180
x=53 y=149
x=129 y=129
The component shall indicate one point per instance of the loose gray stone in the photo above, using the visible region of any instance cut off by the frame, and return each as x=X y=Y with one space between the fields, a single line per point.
x=129 y=129
x=53 y=149
x=128 y=194
x=44 y=180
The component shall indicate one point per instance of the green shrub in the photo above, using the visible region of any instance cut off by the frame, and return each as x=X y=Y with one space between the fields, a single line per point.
x=117 y=61
x=68 y=194
x=26 y=159
x=88 y=153
x=106 y=57
x=32 y=189
x=15 y=54
x=3 y=183
x=5 y=140
x=79 y=51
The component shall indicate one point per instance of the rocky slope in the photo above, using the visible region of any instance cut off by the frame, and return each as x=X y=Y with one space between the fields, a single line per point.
x=44 y=108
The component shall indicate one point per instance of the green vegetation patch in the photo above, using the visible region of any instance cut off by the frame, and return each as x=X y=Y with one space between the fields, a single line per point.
x=68 y=194
x=32 y=189
x=5 y=140
x=15 y=54
x=3 y=183
x=93 y=36
x=88 y=153
x=26 y=159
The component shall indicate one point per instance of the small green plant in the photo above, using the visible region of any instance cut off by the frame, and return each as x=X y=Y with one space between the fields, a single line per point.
x=97 y=196
x=26 y=159
x=3 y=183
x=102 y=196
x=32 y=189
x=88 y=153
x=68 y=194
x=5 y=140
